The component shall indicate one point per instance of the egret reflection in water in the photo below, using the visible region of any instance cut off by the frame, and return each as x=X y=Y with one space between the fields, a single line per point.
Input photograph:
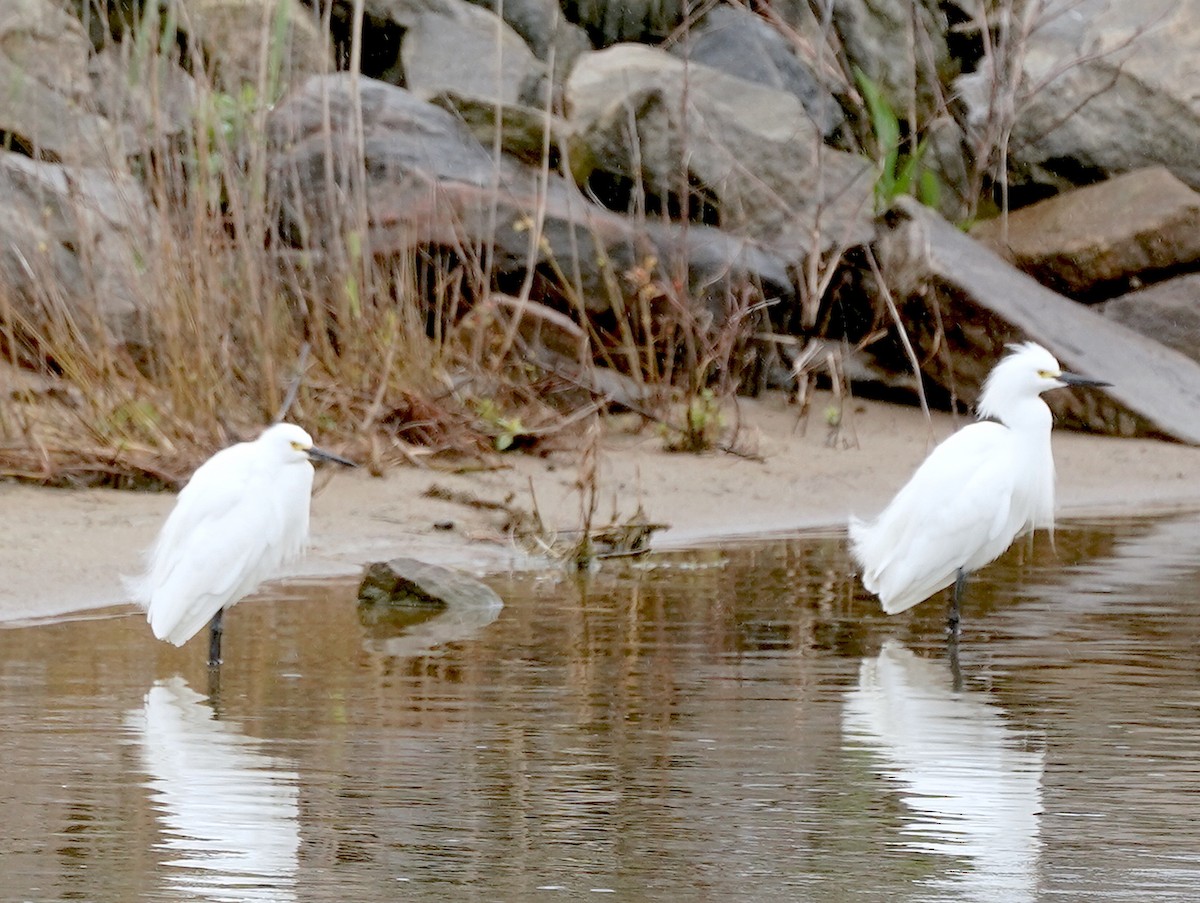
x=229 y=811
x=972 y=782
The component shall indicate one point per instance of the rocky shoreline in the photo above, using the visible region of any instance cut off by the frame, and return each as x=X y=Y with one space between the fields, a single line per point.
x=220 y=211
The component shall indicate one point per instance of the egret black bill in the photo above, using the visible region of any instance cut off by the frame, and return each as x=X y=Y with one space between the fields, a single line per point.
x=1074 y=379
x=319 y=454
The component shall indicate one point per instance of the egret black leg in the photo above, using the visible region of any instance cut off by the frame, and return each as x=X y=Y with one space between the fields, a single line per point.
x=214 y=691
x=952 y=655
x=216 y=627
x=960 y=583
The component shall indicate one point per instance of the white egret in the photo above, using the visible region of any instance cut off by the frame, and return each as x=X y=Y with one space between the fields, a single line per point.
x=239 y=520
x=975 y=493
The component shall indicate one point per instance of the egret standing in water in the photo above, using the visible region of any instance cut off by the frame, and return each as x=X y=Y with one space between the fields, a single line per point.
x=240 y=519
x=975 y=493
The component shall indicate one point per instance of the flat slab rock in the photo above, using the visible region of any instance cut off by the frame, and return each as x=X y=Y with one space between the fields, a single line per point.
x=413 y=583
x=959 y=297
x=1103 y=238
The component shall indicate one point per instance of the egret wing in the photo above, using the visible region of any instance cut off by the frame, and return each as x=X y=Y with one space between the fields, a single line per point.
x=931 y=488
x=216 y=488
x=217 y=561
x=965 y=535
x=956 y=504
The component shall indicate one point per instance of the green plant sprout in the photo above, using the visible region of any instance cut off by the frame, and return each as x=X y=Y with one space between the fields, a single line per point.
x=703 y=423
x=505 y=430
x=899 y=173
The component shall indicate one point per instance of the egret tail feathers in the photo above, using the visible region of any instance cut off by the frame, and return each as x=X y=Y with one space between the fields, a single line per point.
x=177 y=624
x=864 y=543
x=875 y=553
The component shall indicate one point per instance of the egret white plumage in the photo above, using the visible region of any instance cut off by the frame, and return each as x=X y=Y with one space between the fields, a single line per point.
x=241 y=518
x=975 y=493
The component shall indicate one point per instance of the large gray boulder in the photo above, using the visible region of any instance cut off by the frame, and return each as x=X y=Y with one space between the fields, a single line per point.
x=735 y=41
x=246 y=41
x=431 y=184
x=898 y=44
x=545 y=28
x=151 y=103
x=470 y=51
x=75 y=241
x=1168 y=312
x=1104 y=87
x=468 y=60
x=644 y=116
x=47 y=104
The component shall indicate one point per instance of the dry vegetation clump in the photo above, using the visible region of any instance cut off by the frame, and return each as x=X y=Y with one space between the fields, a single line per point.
x=420 y=361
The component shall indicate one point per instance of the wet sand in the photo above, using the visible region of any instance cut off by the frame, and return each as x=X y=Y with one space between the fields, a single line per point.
x=63 y=551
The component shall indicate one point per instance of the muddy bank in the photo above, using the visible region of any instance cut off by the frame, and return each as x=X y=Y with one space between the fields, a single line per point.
x=64 y=551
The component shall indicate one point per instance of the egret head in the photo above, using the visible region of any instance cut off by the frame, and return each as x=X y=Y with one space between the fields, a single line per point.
x=1025 y=373
x=294 y=445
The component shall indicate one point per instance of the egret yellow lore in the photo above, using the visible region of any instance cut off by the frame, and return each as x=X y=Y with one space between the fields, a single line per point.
x=976 y=492
x=241 y=518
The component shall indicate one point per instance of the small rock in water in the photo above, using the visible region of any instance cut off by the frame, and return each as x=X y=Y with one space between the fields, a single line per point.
x=409 y=582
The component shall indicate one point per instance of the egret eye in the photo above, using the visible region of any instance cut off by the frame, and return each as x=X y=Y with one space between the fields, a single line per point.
x=1048 y=374
x=297 y=446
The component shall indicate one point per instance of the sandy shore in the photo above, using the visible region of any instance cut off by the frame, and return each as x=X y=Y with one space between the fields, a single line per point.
x=64 y=551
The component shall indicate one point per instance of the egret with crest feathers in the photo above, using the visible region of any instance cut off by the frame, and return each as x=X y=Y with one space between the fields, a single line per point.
x=975 y=493
x=241 y=518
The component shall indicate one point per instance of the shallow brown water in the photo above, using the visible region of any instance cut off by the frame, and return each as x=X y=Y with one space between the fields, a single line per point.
x=730 y=724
